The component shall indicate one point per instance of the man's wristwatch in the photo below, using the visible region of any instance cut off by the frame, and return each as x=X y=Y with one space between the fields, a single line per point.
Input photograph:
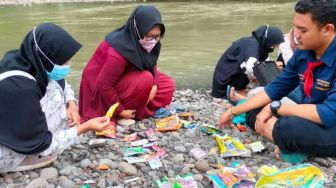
x=275 y=105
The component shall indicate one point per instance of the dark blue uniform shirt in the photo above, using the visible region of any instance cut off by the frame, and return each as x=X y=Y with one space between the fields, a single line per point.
x=323 y=92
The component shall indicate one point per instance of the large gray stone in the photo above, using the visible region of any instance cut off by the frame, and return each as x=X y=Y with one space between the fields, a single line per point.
x=127 y=168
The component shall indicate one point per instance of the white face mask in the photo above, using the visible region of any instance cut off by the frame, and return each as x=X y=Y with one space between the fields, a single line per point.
x=148 y=45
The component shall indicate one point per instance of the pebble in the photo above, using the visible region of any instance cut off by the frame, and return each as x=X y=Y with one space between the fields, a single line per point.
x=127 y=168
x=38 y=183
x=202 y=165
x=85 y=163
x=49 y=173
x=66 y=183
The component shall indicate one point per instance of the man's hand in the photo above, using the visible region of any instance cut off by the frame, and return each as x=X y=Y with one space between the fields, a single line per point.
x=128 y=114
x=72 y=114
x=262 y=118
x=225 y=119
x=152 y=93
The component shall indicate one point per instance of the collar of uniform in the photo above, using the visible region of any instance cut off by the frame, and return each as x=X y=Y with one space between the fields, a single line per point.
x=327 y=58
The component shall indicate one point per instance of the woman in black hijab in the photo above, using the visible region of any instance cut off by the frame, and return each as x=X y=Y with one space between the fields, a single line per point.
x=24 y=76
x=235 y=66
x=124 y=69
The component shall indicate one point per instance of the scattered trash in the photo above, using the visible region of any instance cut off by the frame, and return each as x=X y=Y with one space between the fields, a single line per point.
x=257 y=147
x=85 y=186
x=155 y=162
x=187 y=115
x=213 y=150
x=188 y=124
x=111 y=132
x=160 y=152
x=139 y=142
x=94 y=142
x=170 y=123
x=131 y=180
x=132 y=160
x=241 y=128
x=130 y=137
x=198 y=153
x=186 y=181
x=89 y=182
x=304 y=175
x=231 y=147
x=111 y=110
x=103 y=167
x=151 y=135
x=133 y=151
x=148 y=145
x=162 y=113
x=210 y=129
x=237 y=177
x=177 y=108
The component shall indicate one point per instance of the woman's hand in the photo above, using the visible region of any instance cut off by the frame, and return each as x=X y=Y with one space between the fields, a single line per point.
x=225 y=119
x=72 y=114
x=152 y=93
x=127 y=114
x=96 y=124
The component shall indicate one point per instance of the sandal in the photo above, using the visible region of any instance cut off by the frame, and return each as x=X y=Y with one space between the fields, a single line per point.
x=228 y=95
x=34 y=161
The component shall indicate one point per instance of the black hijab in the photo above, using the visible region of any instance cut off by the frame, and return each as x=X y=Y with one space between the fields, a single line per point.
x=23 y=126
x=267 y=36
x=53 y=41
x=126 y=41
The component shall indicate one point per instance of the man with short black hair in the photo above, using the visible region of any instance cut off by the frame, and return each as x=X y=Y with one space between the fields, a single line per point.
x=309 y=127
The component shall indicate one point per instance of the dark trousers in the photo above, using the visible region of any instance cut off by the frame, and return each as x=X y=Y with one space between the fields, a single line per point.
x=292 y=134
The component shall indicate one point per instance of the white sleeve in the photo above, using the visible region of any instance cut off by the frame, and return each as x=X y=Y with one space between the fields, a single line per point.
x=61 y=140
x=248 y=65
x=68 y=93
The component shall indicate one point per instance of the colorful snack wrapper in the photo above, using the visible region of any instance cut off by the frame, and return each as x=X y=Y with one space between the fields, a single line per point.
x=111 y=132
x=304 y=175
x=133 y=151
x=155 y=162
x=186 y=181
x=170 y=123
x=210 y=129
x=230 y=147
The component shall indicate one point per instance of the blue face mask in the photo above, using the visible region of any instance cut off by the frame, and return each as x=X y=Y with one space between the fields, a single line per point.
x=59 y=72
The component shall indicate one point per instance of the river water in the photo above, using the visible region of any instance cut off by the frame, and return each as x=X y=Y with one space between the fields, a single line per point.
x=197 y=32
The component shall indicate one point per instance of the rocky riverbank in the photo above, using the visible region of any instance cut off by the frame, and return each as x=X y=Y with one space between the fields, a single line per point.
x=32 y=2
x=80 y=162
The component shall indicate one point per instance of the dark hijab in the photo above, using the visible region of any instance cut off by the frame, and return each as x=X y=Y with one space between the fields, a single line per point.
x=126 y=41
x=23 y=126
x=267 y=36
x=53 y=41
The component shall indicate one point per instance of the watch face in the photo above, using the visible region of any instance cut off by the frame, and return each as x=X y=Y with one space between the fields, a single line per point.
x=275 y=104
